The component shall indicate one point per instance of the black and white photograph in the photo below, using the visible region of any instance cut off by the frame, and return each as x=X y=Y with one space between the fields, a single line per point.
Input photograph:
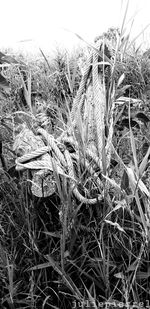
x=74 y=154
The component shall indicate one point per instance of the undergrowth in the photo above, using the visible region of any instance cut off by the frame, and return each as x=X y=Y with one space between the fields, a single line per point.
x=57 y=252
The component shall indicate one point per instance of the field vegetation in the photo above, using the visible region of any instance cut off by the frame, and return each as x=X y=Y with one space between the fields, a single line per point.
x=75 y=177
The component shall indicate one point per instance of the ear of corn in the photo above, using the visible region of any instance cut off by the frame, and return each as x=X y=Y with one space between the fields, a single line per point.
x=87 y=125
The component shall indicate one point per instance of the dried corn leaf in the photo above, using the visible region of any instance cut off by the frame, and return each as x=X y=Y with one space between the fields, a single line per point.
x=43 y=183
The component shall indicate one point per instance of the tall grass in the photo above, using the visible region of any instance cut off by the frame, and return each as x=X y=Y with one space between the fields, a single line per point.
x=59 y=251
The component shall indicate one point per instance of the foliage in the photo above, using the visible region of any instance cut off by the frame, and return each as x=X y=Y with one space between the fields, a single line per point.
x=55 y=251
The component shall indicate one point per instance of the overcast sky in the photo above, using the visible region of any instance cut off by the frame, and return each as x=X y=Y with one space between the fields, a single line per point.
x=44 y=22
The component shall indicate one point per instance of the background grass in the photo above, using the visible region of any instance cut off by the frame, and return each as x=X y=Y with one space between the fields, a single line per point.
x=56 y=252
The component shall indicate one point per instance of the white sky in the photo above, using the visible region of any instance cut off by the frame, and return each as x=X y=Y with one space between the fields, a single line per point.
x=44 y=21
